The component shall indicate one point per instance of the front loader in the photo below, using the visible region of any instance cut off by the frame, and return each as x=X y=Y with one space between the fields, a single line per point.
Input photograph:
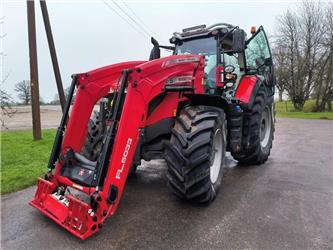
x=214 y=94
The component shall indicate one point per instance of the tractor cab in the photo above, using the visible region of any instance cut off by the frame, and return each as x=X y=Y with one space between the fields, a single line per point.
x=228 y=55
x=223 y=47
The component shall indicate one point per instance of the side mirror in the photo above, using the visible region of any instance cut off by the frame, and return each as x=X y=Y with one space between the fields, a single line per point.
x=268 y=61
x=238 y=41
x=155 y=52
x=262 y=61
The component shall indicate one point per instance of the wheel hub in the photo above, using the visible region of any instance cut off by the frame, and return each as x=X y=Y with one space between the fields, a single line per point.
x=265 y=127
x=216 y=159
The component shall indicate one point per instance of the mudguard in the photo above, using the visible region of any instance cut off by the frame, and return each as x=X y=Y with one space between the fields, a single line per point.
x=247 y=90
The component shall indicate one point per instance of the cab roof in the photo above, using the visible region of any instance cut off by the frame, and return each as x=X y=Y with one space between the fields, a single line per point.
x=200 y=31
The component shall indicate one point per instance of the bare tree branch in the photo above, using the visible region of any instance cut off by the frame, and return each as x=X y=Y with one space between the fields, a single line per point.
x=23 y=89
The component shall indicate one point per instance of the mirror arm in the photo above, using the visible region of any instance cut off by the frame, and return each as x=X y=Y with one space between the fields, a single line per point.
x=167 y=47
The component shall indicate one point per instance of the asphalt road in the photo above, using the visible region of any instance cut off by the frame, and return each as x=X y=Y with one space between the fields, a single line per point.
x=285 y=203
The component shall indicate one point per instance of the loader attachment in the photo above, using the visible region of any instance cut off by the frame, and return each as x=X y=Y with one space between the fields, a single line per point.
x=79 y=194
x=69 y=212
x=79 y=217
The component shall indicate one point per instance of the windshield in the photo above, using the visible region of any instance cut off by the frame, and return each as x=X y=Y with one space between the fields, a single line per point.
x=203 y=46
x=207 y=47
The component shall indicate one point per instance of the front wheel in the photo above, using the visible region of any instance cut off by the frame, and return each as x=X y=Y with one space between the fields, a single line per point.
x=195 y=154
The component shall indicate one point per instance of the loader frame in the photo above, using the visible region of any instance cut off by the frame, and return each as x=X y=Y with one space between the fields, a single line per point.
x=135 y=85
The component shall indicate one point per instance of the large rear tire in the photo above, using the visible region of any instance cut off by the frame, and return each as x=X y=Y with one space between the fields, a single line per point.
x=93 y=144
x=259 y=129
x=195 y=154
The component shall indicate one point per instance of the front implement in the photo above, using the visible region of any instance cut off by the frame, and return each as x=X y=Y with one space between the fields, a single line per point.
x=80 y=194
x=54 y=198
x=71 y=213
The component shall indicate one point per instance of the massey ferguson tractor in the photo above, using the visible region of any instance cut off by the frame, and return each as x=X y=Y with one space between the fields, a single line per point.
x=214 y=94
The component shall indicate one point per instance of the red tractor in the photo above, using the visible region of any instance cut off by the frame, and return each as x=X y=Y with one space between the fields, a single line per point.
x=214 y=94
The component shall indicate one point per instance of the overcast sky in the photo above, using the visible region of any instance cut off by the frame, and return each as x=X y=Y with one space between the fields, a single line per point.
x=88 y=34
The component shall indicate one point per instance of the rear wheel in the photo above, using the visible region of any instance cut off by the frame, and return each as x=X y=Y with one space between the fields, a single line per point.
x=93 y=144
x=196 y=152
x=259 y=129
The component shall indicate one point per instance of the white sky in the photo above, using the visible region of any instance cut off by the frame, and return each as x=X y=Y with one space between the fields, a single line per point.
x=89 y=35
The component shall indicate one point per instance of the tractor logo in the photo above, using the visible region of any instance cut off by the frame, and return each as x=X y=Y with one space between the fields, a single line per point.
x=124 y=158
x=81 y=173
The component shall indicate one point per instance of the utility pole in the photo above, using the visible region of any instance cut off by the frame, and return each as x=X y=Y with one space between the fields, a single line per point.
x=53 y=54
x=36 y=126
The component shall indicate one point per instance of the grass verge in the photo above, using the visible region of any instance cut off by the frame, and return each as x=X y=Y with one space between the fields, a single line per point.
x=306 y=115
x=23 y=159
x=286 y=109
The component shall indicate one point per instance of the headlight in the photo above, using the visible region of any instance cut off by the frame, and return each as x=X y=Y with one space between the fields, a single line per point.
x=180 y=80
x=229 y=69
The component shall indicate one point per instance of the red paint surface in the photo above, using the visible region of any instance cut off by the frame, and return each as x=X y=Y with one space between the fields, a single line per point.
x=245 y=88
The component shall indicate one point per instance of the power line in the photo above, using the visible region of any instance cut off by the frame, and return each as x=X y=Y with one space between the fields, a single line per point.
x=111 y=8
x=134 y=21
x=138 y=17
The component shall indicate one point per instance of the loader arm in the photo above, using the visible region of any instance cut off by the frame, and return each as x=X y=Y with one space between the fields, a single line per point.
x=136 y=85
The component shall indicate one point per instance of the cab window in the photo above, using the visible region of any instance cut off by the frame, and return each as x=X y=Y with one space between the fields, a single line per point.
x=256 y=52
x=203 y=46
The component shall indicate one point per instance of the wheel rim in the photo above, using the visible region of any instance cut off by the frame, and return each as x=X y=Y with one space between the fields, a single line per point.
x=216 y=156
x=265 y=127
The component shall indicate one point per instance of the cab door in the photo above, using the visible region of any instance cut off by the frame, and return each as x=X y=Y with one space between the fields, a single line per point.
x=258 y=59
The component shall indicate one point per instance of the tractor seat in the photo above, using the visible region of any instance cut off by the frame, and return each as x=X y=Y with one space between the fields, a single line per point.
x=85 y=162
x=80 y=170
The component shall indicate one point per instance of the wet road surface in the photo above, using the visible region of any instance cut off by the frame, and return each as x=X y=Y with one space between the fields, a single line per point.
x=285 y=203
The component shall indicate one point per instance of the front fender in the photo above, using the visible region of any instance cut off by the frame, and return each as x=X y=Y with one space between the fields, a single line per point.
x=247 y=90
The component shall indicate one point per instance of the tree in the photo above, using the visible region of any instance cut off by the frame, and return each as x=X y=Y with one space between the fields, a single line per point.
x=299 y=46
x=323 y=91
x=288 y=38
x=5 y=99
x=23 y=89
x=281 y=70
x=6 y=107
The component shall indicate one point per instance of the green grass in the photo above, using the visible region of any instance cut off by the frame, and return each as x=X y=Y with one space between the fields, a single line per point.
x=306 y=115
x=286 y=109
x=287 y=106
x=22 y=159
